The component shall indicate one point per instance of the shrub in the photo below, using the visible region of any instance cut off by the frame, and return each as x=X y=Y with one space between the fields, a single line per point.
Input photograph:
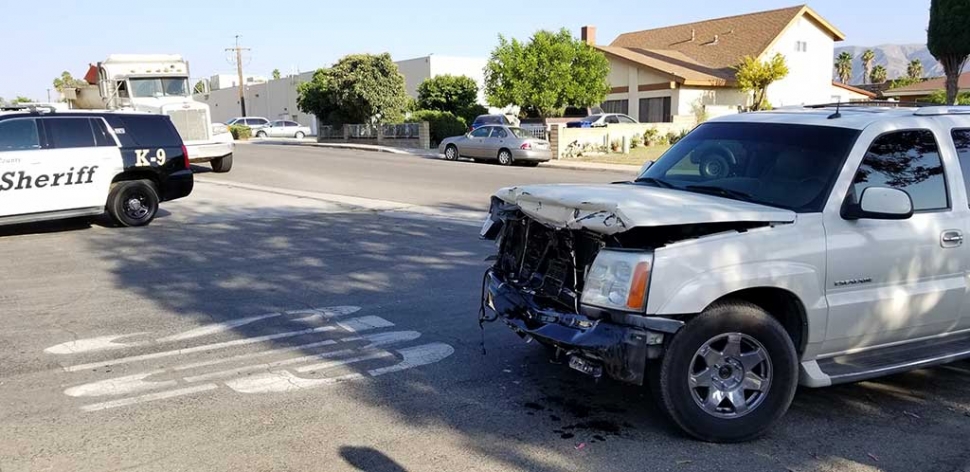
x=242 y=132
x=616 y=145
x=673 y=138
x=471 y=112
x=650 y=136
x=442 y=123
x=636 y=141
x=663 y=139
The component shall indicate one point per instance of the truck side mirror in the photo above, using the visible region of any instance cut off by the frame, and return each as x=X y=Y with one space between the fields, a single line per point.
x=880 y=203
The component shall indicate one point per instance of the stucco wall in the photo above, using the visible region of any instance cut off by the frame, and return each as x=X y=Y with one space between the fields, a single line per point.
x=809 y=77
x=273 y=100
x=415 y=71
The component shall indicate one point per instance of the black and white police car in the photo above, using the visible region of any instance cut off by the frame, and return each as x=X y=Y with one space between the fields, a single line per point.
x=72 y=164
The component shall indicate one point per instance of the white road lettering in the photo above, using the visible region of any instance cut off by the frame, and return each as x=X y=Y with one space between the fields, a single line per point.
x=100 y=343
x=120 y=386
x=216 y=328
x=150 y=397
x=364 y=323
x=284 y=381
x=417 y=356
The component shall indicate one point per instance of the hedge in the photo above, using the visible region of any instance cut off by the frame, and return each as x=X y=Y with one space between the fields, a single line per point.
x=443 y=124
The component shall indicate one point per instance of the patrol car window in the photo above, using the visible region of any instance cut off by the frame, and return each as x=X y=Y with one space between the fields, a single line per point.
x=101 y=135
x=18 y=135
x=906 y=160
x=144 y=131
x=961 y=138
x=65 y=133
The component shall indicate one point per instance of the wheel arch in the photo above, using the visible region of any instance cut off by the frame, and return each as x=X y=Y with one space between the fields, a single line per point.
x=138 y=175
x=782 y=305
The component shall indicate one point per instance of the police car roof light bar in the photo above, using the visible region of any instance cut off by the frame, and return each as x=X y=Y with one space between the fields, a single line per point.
x=32 y=108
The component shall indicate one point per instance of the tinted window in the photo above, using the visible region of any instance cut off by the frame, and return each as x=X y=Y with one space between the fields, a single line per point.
x=612 y=119
x=101 y=135
x=521 y=133
x=291 y=123
x=500 y=133
x=591 y=118
x=655 y=110
x=18 y=135
x=616 y=106
x=961 y=138
x=906 y=160
x=481 y=132
x=69 y=132
x=626 y=119
x=144 y=130
x=787 y=166
x=279 y=124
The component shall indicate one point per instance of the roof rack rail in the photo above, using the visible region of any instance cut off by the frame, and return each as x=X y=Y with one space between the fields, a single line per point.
x=871 y=103
x=31 y=107
x=936 y=110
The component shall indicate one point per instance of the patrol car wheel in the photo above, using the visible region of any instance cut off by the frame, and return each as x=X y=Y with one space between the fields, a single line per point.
x=133 y=202
x=729 y=374
x=223 y=164
x=299 y=135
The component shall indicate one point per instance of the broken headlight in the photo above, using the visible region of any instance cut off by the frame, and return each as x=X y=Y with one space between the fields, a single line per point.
x=619 y=280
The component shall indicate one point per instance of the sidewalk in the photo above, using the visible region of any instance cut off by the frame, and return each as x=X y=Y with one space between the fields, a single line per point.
x=431 y=153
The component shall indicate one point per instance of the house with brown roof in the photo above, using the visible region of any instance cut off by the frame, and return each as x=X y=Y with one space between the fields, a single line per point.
x=664 y=74
x=921 y=92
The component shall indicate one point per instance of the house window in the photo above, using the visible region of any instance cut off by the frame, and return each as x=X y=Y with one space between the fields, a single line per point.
x=616 y=106
x=801 y=46
x=655 y=110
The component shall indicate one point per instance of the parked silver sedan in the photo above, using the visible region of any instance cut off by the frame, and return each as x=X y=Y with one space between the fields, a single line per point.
x=505 y=144
x=283 y=129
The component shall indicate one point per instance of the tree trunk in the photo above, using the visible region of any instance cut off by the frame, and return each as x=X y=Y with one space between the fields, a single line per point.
x=953 y=66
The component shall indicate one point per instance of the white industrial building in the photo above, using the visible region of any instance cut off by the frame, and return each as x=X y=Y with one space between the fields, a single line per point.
x=276 y=99
x=221 y=81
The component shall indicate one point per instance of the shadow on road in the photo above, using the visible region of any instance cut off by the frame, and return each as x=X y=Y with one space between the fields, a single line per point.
x=368 y=459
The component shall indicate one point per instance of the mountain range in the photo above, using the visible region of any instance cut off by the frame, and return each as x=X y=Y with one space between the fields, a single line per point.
x=895 y=58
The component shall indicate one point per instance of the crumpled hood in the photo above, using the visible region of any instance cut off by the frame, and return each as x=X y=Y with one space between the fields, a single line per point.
x=614 y=208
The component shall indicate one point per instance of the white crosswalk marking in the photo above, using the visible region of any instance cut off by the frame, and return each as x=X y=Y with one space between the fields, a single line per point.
x=169 y=381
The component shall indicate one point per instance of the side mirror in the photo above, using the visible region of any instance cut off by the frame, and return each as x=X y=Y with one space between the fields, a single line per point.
x=880 y=203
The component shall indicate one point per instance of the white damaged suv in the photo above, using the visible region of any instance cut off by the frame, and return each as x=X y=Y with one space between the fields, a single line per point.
x=764 y=251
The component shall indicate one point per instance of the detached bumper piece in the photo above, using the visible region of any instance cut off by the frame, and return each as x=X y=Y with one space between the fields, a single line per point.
x=595 y=346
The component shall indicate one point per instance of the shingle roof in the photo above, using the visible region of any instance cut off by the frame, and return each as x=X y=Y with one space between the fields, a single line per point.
x=677 y=65
x=854 y=89
x=929 y=86
x=714 y=47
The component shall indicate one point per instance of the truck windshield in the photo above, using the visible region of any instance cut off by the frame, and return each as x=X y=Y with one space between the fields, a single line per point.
x=782 y=165
x=159 y=87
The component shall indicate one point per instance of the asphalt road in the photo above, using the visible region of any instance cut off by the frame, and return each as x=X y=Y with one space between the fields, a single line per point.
x=316 y=310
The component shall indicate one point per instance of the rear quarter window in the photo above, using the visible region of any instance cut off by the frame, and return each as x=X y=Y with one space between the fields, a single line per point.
x=144 y=130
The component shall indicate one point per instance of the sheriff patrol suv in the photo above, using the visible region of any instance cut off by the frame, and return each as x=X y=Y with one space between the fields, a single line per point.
x=812 y=246
x=73 y=164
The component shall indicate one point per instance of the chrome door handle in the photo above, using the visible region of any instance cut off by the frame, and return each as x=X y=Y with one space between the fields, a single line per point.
x=951 y=238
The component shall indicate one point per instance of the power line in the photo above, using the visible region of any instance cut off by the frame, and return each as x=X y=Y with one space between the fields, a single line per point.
x=239 y=69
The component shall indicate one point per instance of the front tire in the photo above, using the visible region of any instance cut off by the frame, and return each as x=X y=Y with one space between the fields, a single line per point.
x=260 y=134
x=451 y=152
x=505 y=157
x=299 y=135
x=222 y=164
x=133 y=202
x=729 y=374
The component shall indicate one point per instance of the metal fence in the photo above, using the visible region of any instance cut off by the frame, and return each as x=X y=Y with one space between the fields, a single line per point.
x=401 y=131
x=361 y=131
x=538 y=131
x=330 y=132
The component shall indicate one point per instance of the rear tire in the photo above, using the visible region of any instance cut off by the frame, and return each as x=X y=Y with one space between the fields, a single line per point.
x=222 y=164
x=299 y=135
x=719 y=393
x=133 y=202
x=505 y=157
x=260 y=134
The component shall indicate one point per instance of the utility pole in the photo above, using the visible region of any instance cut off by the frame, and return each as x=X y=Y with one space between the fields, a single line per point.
x=239 y=69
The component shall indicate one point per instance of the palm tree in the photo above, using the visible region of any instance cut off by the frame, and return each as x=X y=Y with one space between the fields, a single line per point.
x=915 y=69
x=867 y=57
x=878 y=75
x=843 y=67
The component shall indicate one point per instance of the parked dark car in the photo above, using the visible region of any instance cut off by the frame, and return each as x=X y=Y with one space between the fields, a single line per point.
x=601 y=120
x=483 y=120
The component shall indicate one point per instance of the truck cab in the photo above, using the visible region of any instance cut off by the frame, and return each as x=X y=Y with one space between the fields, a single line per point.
x=158 y=83
x=810 y=246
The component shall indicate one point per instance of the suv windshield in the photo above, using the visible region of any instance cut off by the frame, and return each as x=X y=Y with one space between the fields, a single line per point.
x=153 y=87
x=782 y=165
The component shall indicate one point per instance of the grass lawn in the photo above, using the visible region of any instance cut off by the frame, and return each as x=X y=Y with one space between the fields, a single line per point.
x=636 y=157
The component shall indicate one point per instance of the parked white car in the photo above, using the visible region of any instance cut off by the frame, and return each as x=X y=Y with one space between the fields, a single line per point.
x=253 y=122
x=283 y=129
x=763 y=251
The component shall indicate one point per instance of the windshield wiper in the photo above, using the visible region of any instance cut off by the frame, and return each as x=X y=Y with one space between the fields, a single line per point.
x=721 y=191
x=655 y=181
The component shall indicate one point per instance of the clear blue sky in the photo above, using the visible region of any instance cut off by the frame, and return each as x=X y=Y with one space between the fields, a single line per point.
x=41 y=38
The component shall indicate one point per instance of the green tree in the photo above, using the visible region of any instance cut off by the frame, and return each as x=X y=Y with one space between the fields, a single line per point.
x=755 y=76
x=878 y=75
x=199 y=87
x=276 y=74
x=551 y=71
x=903 y=82
x=66 y=81
x=867 y=57
x=21 y=99
x=948 y=39
x=359 y=88
x=915 y=69
x=843 y=67
x=939 y=96
x=457 y=95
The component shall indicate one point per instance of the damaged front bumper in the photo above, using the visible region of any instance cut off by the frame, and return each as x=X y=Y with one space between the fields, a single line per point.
x=596 y=341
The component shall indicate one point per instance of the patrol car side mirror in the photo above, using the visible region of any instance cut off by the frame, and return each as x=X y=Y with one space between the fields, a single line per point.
x=880 y=203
